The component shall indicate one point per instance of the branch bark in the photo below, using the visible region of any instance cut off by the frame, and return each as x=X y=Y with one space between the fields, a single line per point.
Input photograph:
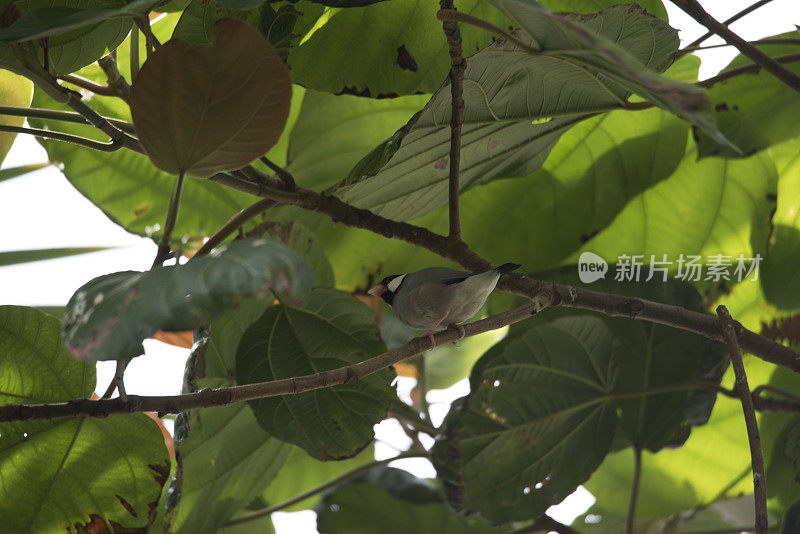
x=696 y=11
x=759 y=480
x=287 y=386
x=746 y=11
x=457 y=67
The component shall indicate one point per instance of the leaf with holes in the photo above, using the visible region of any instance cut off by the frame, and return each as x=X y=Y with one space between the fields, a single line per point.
x=540 y=418
x=206 y=109
x=331 y=330
x=109 y=317
x=69 y=473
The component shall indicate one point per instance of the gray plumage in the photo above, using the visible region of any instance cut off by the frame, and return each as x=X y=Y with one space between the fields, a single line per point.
x=437 y=297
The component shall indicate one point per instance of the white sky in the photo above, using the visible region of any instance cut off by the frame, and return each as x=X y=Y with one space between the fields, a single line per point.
x=42 y=210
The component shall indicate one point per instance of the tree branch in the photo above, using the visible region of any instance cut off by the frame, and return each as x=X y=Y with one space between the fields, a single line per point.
x=164 y=244
x=257 y=514
x=89 y=85
x=696 y=11
x=59 y=136
x=287 y=386
x=58 y=115
x=457 y=67
x=233 y=224
x=285 y=176
x=746 y=11
x=759 y=480
x=746 y=69
x=116 y=82
x=767 y=41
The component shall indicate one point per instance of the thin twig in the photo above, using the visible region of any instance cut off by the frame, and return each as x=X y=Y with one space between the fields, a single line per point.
x=59 y=115
x=164 y=244
x=89 y=85
x=637 y=476
x=233 y=224
x=285 y=176
x=59 y=136
x=143 y=23
x=768 y=41
x=746 y=11
x=457 y=67
x=228 y=395
x=264 y=512
x=453 y=15
x=759 y=481
x=746 y=69
x=696 y=11
x=547 y=524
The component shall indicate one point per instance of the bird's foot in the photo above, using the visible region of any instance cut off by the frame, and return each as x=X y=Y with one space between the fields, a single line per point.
x=460 y=330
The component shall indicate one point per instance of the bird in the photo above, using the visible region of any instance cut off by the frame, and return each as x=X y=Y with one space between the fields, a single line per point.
x=438 y=296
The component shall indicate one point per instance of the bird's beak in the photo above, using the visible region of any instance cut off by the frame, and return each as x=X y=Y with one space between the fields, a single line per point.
x=378 y=290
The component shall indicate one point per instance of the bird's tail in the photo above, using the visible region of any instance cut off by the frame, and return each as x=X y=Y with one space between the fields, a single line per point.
x=508 y=267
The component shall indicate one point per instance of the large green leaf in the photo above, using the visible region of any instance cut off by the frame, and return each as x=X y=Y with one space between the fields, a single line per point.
x=584 y=41
x=14 y=91
x=299 y=239
x=754 y=110
x=331 y=330
x=109 y=316
x=538 y=421
x=24 y=256
x=235 y=90
x=360 y=505
x=516 y=108
x=52 y=21
x=78 y=47
x=227 y=459
x=779 y=278
x=302 y=473
x=333 y=132
x=68 y=473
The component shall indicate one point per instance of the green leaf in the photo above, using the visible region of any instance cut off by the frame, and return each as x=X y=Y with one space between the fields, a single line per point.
x=753 y=110
x=13 y=172
x=68 y=473
x=14 y=91
x=791 y=521
x=239 y=104
x=333 y=132
x=331 y=330
x=359 y=506
x=302 y=473
x=25 y=256
x=109 y=317
x=300 y=240
x=81 y=46
x=539 y=419
x=227 y=459
x=586 y=44
x=52 y=21
x=514 y=113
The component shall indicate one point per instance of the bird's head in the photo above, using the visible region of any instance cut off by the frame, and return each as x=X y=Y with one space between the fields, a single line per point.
x=388 y=287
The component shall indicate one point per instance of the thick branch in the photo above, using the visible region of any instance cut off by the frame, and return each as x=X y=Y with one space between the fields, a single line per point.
x=116 y=82
x=696 y=11
x=287 y=386
x=457 y=67
x=759 y=480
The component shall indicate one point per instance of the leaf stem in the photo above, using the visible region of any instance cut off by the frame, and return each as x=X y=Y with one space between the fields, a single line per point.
x=457 y=67
x=257 y=514
x=134 y=54
x=164 y=244
x=59 y=136
x=696 y=11
x=285 y=176
x=233 y=224
x=637 y=475
x=759 y=480
x=746 y=11
x=89 y=85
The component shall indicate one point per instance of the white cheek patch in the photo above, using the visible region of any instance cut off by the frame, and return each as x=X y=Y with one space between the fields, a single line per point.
x=395 y=283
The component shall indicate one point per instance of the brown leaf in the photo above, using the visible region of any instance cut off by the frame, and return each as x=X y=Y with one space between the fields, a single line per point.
x=211 y=108
x=179 y=339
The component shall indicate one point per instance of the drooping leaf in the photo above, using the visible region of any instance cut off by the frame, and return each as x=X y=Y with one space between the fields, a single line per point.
x=516 y=108
x=68 y=473
x=25 y=256
x=359 y=507
x=754 y=110
x=109 y=317
x=302 y=473
x=539 y=419
x=14 y=172
x=14 y=91
x=227 y=459
x=331 y=330
x=587 y=45
x=227 y=101
x=79 y=47
x=59 y=20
